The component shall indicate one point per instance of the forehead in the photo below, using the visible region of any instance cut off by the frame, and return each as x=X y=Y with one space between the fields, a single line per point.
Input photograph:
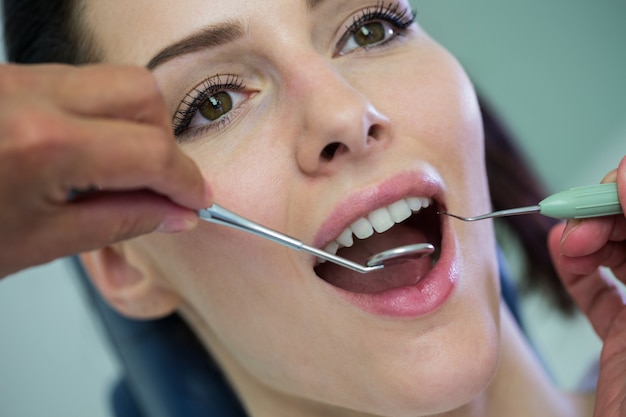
x=134 y=31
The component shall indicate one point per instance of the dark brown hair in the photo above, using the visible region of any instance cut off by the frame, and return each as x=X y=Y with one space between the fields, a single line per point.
x=38 y=31
x=513 y=183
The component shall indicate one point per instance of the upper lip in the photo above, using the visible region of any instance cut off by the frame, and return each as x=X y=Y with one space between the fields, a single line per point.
x=364 y=201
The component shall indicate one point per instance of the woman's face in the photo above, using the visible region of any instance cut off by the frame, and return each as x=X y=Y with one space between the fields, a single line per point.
x=307 y=116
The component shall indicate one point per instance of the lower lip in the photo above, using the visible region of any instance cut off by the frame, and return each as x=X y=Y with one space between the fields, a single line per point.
x=425 y=297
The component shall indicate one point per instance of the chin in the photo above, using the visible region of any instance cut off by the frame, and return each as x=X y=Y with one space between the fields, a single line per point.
x=421 y=370
x=451 y=380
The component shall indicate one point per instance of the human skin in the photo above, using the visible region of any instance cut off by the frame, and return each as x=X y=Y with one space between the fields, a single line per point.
x=579 y=249
x=47 y=112
x=406 y=121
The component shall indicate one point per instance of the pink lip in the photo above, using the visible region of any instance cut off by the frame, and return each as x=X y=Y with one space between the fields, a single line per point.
x=359 y=204
x=432 y=290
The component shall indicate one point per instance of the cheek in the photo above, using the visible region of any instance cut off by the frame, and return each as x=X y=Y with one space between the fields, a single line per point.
x=228 y=279
x=245 y=166
x=435 y=105
x=430 y=97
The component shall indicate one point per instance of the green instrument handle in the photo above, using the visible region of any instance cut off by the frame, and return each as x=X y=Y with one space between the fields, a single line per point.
x=583 y=202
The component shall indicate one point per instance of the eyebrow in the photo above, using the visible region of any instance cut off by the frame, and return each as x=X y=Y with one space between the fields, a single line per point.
x=313 y=4
x=209 y=37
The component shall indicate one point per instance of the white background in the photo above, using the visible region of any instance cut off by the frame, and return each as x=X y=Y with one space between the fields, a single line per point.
x=556 y=71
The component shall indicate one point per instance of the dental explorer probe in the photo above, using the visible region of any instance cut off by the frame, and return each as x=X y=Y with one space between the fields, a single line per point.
x=219 y=215
x=576 y=203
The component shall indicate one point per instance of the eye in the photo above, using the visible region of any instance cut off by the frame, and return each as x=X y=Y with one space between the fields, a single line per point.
x=375 y=26
x=215 y=110
x=216 y=106
x=368 y=35
x=209 y=105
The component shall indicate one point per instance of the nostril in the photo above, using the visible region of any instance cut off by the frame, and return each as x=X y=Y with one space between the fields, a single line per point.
x=329 y=151
x=375 y=131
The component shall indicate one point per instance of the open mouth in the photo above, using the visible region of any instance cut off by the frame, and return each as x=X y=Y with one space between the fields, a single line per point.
x=407 y=221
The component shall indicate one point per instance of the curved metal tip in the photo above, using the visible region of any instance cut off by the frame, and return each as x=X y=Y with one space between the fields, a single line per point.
x=500 y=213
x=401 y=254
x=465 y=219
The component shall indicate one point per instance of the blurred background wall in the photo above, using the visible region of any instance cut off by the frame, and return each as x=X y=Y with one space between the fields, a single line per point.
x=555 y=70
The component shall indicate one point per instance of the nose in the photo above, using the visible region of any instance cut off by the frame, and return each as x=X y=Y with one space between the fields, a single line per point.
x=340 y=124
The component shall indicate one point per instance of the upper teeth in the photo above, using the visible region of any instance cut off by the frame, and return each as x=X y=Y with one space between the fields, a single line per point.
x=379 y=220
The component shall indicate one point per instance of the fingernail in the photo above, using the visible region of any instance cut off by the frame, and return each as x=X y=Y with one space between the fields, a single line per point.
x=177 y=225
x=569 y=228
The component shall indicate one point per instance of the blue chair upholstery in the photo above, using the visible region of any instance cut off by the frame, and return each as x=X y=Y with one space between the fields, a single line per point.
x=168 y=373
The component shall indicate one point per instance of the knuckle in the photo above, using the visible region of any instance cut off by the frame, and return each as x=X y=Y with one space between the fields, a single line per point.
x=152 y=101
x=143 y=82
x=147 y=99
x=143 y=77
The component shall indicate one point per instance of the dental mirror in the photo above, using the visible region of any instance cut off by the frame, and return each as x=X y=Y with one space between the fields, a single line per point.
x=219 y=215
x=401 y=254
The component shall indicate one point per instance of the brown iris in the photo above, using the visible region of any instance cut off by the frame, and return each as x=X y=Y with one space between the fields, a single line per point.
x=370 y=34
x=216 y=106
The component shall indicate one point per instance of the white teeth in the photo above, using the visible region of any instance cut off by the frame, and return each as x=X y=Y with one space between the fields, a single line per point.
x=362 y=228
x=346 y=239
x=400 y=211
x=332 y=247
x=381 y=220
x=415 y=203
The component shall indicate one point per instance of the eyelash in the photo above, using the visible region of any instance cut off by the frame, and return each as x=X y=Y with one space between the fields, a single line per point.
x=198 y=96
x=392 y=13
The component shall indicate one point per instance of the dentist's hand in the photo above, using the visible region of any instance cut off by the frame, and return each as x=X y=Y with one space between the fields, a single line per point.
x=99 y=128
x=578 y=250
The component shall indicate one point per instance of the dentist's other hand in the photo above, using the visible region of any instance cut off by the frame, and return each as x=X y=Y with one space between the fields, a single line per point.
x=98 y=128
x=579 y=249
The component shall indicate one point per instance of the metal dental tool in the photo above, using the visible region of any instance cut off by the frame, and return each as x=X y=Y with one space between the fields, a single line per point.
x=576 y=203
x=219 y=215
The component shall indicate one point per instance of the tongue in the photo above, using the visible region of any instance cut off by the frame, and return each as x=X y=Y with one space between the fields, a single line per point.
x=395 y=276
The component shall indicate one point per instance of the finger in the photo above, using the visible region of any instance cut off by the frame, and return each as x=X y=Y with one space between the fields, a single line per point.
x=594 y=292
x=611 y=254
x=588 y=263
x=611 y=176
x=103 y=218
x=142 y=156
x=610 y=385
x=92 y=222
x=67 y=151
x=126 y=92
x=617 y=261
x=129 y=92
x=584 y=237
x=81 y=152
x=621 y=182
